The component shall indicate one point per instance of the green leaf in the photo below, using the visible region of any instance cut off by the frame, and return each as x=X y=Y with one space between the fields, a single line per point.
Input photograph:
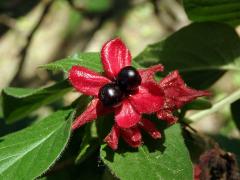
x=19 y=102
x=28 y=153
x=198 y=104
x=235 y=110
x=1 y=108
x=227 y=11
x=93 y=6
x=89 y=143
x=202 y=52
x=158 y=160
x=88 y=60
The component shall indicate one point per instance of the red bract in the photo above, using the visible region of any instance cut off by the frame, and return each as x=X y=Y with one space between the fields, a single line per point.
x=176 y=94
x=131 y=135
x=147 y=98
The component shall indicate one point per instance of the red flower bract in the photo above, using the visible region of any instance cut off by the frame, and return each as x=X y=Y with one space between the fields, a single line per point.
x=116 y=56
x=132 y=136
x=149 y=97
x=176 y=94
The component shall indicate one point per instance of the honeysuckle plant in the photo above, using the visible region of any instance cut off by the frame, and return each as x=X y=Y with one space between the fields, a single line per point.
x=131 y=118
x=129 y=93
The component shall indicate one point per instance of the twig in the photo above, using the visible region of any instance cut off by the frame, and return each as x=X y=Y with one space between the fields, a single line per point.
x=159 y=15
x=77 y=8
x=186 y=125
x=8 y=21
x=155 y=6
x=221 y=104
x=84 y=36
x=24 y=51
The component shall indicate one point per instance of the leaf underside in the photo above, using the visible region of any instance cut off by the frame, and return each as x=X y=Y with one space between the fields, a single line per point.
x=17 y=103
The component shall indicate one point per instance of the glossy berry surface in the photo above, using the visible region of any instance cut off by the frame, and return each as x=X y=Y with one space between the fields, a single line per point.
x=128 y=78
x=110 y=94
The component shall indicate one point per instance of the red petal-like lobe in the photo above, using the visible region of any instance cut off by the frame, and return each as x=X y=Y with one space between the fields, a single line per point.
x=148 y=98
x=132 y=143
x=167 y=115
x=86 y=81
x=148 y=73
x=177 y=93
x=94 y=110
x=112 y=138
x=132 y=133
x=115 y=56
x=126 y=116
x=197 y=172
x=132 y=136
x=150 y=128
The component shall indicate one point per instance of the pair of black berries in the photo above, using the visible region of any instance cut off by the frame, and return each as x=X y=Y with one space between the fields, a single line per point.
x=128 y=79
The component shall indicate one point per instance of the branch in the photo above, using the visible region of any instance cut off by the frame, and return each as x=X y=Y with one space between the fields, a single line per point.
x=24 y=51
x=8 y=21
x=77 y=8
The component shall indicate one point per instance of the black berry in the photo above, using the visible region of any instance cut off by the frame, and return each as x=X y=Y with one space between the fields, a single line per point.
x=110 y=94
x=128 y=78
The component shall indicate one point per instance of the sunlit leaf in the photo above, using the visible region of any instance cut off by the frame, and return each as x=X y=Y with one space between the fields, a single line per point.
x=28 y=153
x=166 y=159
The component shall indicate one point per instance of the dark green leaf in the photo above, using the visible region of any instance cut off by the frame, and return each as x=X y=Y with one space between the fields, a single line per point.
x=198 y=104
x=89 y=143
x=197 y=144
x=1 y=108
x=104 y=125
x=88 y=60
x=202 y=52
x=89 y=170
x=227 y=11
x=235 y=109
x=158 y=160
x=28 y=153
x=19 y=102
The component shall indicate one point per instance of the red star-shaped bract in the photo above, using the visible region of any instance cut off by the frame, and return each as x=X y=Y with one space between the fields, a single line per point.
x=132 y=136
x=176 y=94
x=150 y=97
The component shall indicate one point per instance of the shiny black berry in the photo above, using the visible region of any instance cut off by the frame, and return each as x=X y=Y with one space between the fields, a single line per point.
x=128 y=78
x=110 y=94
